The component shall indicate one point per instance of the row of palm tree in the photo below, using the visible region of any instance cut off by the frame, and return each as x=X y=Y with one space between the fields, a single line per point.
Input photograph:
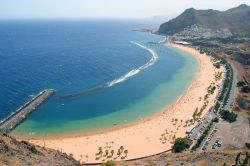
x=109 y=153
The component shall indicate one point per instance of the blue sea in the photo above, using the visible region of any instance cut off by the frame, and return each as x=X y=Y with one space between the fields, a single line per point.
x=104 y=73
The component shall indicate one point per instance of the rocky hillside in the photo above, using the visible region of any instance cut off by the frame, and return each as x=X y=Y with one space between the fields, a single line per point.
x=235 y=21
x=15 y=153
x=215 y=158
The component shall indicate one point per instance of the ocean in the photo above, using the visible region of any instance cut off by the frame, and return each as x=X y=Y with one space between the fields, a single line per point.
x=104 y=73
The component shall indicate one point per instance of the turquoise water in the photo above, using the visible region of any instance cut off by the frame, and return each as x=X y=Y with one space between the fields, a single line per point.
x=118 y=75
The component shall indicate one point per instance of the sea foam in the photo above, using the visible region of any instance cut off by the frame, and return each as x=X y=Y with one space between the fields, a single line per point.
x=137 y=70
x=120 y=79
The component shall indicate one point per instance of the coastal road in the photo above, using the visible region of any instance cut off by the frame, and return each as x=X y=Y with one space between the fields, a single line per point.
x=233 y=91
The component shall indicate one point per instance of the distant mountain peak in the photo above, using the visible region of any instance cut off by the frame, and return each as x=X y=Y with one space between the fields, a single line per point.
x=191 y=9
x=243 y=6
x=234 y=21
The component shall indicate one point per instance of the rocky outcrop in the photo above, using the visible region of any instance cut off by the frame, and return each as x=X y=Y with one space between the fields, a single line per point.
x=13 y=152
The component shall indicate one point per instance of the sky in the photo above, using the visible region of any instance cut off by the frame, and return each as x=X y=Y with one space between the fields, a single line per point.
x=43 y=9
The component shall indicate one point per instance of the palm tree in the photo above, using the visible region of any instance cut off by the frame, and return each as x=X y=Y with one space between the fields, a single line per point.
x=100 y=152
x=122 y=148
x=119 y=152
x=111 y=153
x=106 y=153
x=126 y=153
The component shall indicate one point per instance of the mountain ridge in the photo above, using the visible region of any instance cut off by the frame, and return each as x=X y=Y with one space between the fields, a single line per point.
x=235 y=20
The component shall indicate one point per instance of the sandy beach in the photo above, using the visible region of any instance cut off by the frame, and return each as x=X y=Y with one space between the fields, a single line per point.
x=154 y=134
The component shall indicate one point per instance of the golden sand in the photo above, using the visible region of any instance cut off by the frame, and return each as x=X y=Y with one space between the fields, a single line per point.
x=150 y=136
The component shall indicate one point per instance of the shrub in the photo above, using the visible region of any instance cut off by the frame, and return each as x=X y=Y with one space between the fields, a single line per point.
x=228 y=116
x=245 y=89
x=180 y=144
x=108 y=163
x=248 y=145
x=216 y=120
x=241 y=84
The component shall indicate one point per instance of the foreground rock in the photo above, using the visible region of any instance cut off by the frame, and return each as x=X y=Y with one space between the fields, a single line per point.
x=13 y=152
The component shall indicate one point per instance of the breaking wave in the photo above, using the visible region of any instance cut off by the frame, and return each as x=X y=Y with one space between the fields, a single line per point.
x=119 y=79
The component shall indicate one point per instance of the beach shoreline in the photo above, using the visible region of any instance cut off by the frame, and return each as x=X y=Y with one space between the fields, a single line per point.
x=144 y=133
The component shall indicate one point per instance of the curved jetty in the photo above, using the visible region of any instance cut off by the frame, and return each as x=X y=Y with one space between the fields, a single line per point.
x=21 y=113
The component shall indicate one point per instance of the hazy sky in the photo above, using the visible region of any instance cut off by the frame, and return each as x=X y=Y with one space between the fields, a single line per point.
x=105 y=8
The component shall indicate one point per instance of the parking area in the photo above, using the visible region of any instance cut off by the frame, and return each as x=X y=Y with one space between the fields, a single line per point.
x=231 y=135
x=199 y=129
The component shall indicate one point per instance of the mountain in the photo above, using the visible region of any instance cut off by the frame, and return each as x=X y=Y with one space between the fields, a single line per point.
x=235 y=21
x=13 y=152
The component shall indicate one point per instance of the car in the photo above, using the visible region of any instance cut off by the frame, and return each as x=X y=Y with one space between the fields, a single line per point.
x=204 y=148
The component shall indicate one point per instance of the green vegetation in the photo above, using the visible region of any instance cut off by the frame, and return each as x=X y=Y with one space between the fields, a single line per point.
x=204 y=135
x=247 y=145
x=199 y=141
x=217 y=106
x=217 y=65
x=243 y=87
x=201 y=110
x=241 y=84
x=216 y=120
x=218 y=76
x=108 y=163
x=109 y=153
x=180 y=144
x=240 y=162
x=195 y=114
x=228 y=116
x=225 y=92
x=227 y=84
x=229 y=80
